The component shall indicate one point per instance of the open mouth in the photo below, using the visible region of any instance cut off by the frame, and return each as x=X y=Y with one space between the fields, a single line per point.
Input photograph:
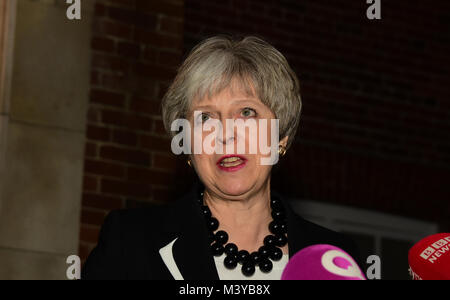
x=231 y=162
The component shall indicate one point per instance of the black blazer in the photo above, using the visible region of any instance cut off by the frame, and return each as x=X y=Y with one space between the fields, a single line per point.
x=130 y=241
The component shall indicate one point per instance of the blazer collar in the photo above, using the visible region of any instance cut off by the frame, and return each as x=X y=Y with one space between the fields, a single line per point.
x=191 y=252
x=297 y=235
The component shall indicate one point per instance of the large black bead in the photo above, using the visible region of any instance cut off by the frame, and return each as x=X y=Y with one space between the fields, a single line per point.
x=281 y=240
x=264 y=251
x=248 y=268
x=255 y=257
x=213 y=224
x=270 y=240
x=276 y=254
x=217 y=249
x=265 y=265
x=277 y=227
x=278 y=215
x=275 y=204
x=243 y=256
x=221 y=237
x=231 y=249
x=230 y=262
x=205 y=211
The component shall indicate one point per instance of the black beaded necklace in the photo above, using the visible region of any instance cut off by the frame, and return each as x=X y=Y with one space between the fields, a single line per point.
x=261 y=258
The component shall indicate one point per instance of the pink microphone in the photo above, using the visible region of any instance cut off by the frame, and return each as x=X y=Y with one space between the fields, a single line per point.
x=322 y=262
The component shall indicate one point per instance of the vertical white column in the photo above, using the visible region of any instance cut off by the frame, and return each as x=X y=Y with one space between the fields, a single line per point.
x=43 y=108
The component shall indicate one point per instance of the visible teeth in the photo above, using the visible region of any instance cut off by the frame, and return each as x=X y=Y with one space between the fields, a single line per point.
x=236 y=163
x=230 y=159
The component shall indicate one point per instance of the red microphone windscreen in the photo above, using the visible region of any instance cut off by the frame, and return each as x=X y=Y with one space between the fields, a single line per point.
x=429 y=259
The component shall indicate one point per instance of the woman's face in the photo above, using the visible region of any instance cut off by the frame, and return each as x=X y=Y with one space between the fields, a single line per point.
x=234 y=173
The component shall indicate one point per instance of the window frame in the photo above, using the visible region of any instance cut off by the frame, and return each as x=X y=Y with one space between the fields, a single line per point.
x=362 y=221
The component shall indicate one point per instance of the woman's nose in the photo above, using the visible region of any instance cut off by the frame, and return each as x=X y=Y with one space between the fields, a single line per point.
x=227 y=133
x=226 y=138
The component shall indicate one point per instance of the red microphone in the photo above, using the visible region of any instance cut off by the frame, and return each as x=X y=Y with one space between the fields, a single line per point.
x=429 y=259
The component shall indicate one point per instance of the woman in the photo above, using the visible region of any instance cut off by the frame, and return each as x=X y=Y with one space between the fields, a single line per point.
x=231 y=225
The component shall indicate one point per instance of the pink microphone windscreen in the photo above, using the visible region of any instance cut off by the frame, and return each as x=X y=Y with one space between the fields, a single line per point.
x=322 y=262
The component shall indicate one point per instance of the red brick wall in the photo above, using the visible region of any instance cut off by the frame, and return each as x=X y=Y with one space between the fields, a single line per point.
x=136 y=46
x=375 y=130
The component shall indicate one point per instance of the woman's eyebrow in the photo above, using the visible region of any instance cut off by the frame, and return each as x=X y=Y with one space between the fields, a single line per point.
x=213 y=108
x=205 y=107
x=247 y=100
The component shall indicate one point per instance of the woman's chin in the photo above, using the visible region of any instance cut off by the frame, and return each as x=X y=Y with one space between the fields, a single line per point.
x=233 y=187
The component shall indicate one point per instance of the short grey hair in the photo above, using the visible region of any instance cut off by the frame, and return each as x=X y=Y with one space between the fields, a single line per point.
x=216 y=62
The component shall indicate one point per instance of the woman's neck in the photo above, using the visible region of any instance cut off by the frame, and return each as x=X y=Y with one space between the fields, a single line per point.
x=245 y=220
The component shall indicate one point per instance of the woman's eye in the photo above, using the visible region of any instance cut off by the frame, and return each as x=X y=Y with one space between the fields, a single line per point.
x=204 y=118
x=248 y=112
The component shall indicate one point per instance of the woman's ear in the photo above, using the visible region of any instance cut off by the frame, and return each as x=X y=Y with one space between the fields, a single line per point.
x=283 y=141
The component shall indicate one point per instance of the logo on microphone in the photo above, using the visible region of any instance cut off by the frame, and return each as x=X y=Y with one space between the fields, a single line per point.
x=427 y=253
x=440 y=244
x=341 y=264
x=436 y=250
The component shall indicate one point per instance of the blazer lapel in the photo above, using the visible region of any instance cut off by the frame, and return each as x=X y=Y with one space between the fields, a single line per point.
x=191 y=255
x=297 y=239
x=166 y=253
